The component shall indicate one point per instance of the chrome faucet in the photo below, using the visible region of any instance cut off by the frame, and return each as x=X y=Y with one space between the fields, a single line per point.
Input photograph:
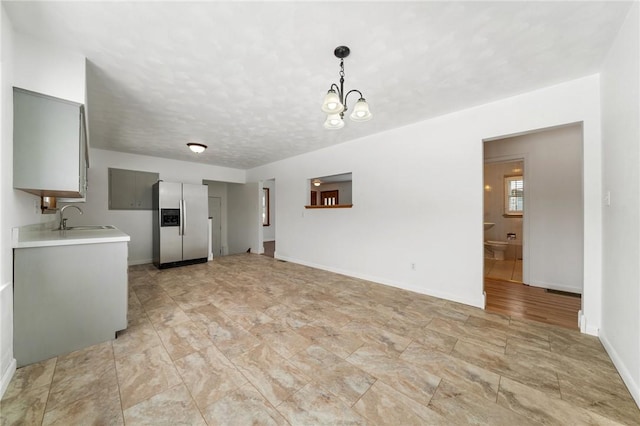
x=63 y=220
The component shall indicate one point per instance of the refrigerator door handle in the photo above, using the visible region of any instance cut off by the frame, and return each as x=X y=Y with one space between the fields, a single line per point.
x=184 y=217
x=181 y=220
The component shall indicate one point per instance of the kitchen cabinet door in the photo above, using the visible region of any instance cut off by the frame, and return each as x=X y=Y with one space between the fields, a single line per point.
x=131 y=189
x=49 y=145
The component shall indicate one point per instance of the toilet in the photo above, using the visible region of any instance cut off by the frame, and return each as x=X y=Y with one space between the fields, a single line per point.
x=497 y=248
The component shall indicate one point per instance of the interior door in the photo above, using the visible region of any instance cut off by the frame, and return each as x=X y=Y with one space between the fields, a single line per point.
x=195 y=235
x=215 y=213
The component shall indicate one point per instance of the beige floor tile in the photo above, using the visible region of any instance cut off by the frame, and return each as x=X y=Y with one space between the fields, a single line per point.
x=491 y=339
x=183 y=339
x=383 y=405
x=517 y=367
x=282 y=338
x=273 y=376
x=75 y=387
x=313 y=405
x=230 y=337
x=541 y=408
x=142 y=375
x=93 y=360
x=247 y=316
x=339 y=341
x=393 y=343
x=209 y=375
x=136 y=339
x=611 y=400
x=224 y=338
x=101 y=407
x=333 y=373
x=410 y=379
x=31 y=376
x=433 y=340
x=244 y=406
x=167 y=316
x=464 y=375
x=171 y=407
x=468 y=409
x=25 y=407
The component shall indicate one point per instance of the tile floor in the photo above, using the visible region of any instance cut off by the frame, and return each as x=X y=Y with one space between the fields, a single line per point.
x=248 y=339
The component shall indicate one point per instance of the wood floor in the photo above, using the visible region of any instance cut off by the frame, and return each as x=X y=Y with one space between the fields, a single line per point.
x=533 y=303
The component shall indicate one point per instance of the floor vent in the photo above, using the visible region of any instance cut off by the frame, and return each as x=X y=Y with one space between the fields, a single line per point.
x=563 y=293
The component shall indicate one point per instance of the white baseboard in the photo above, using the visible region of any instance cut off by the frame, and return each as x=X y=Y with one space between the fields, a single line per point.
x=478 y=303
x=585 y=326
x=7 y=376
x=627 y=377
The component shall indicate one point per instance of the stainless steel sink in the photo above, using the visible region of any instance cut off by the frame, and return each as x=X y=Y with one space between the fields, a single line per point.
x=87 y=228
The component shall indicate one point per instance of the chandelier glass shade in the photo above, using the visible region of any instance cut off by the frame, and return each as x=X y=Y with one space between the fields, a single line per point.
x=335 y=101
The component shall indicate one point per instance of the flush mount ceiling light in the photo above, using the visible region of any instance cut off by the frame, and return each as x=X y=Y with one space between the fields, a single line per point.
x=316 y=182
x=335 y=102
x=196 y=147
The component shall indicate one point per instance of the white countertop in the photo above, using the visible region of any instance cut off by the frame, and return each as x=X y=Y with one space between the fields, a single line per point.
x=26 y=238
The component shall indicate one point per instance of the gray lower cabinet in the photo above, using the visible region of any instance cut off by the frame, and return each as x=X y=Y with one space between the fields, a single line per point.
x=67 y=298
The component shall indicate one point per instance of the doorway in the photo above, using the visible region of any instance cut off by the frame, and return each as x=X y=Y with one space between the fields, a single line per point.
x=541 y=174
x=504 y=202
x=215 y=213
x=269 y=217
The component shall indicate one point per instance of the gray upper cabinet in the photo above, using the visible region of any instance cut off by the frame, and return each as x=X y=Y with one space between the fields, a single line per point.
x=131 y=189
x=50 y=152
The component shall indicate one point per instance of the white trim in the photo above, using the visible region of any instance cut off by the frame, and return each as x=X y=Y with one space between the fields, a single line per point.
x=627 y=377
x=478 y=303
x=7 y=376
x=585 y=326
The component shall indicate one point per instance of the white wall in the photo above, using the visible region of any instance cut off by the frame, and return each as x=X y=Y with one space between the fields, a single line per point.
x=138 y=223
x=269 y=232
x=553 y=243
x=411 y=208
x=56 y=73
x=245 y=218
x=47 y=69
x=620 y=332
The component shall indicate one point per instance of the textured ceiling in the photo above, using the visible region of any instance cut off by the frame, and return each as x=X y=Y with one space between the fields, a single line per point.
x=247 y=78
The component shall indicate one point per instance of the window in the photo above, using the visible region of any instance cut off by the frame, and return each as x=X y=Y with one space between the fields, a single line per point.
x=513 y=195
x=265 y=207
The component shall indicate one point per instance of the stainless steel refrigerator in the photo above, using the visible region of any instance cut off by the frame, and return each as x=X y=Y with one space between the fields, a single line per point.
x=180 y=227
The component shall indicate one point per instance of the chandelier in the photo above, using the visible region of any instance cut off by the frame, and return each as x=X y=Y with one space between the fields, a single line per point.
x=335 y=102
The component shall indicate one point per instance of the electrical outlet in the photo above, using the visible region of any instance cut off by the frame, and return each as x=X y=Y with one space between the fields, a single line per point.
x=36 y=207
x=607 y=198
x=413 y=266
